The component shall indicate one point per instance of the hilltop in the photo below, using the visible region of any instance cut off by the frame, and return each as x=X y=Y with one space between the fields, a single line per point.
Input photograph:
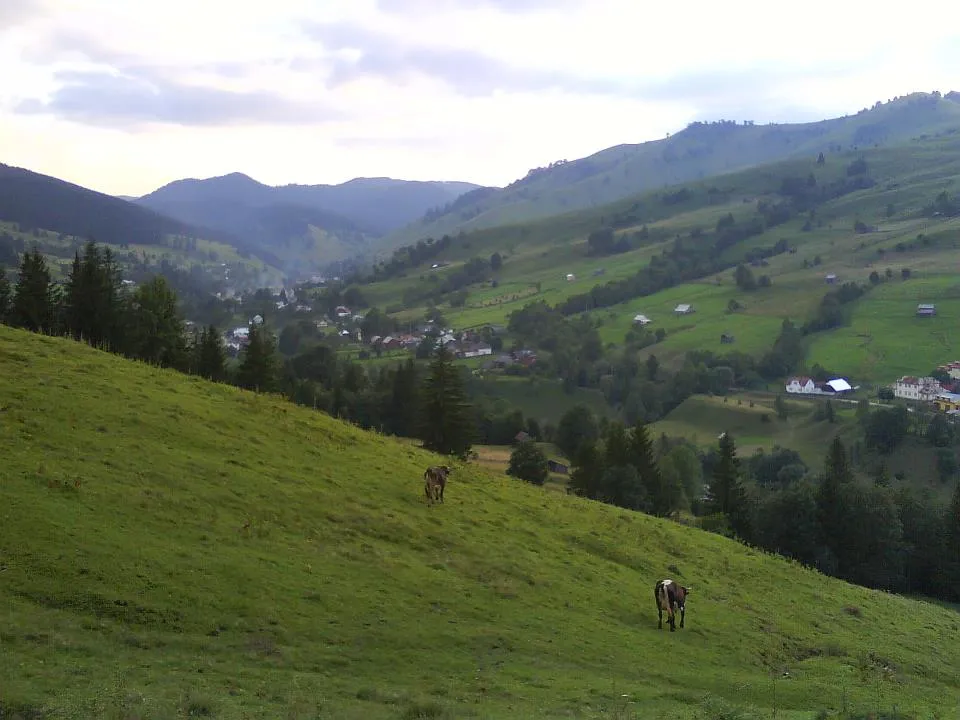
x=315 y=222
x=171 y=546
x=701 y=150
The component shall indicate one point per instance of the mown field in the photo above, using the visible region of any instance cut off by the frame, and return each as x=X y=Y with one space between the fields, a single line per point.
x=173 y=548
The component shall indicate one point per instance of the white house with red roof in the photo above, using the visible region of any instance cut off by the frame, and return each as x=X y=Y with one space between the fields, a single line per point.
x=802 y=385
x=914 y=388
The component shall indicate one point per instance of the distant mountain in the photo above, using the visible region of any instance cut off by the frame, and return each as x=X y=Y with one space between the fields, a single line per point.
x=36 y=201
x=304 y=224
x=701 y=150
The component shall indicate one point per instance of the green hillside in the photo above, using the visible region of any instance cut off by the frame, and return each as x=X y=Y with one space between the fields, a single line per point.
x=700 y=151
x=172 y=548
x=898 y=232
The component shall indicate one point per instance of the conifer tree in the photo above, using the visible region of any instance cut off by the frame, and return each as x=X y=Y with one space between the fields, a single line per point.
x=837 y=473
x=446 y=420
x=587 y=471
x=258 y=369
x=642 y=458
x=92 y=297
x=155 y=331
x=404 y=403
x=210 y=358
x=33 y=307
x=5 y=293
x=726 y=493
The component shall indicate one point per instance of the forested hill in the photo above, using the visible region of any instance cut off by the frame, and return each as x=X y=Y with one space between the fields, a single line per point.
x=371 y=205
x=699 y=151
x=43 y=202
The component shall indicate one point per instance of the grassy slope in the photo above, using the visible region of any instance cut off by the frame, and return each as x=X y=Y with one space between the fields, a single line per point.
x=694 y=153
x=172 y=547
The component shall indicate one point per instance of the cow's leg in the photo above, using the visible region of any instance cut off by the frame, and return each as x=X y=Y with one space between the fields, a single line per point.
x=682 y=613
x=441 y=493
x=672 y=617
x=659 y=611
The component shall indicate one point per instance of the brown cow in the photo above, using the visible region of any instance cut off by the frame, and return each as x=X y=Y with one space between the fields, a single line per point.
x=435 y=480
x=670 y=596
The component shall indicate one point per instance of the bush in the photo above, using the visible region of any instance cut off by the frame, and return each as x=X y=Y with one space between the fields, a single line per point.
x=528 y=462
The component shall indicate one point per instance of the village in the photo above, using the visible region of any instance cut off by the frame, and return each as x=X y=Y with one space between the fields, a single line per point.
x=345 y=325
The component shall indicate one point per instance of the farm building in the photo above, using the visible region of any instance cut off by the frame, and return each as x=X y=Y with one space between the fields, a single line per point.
x=683 y=309
x=801 y=385
x=831 y=278
x=469 y=351
x=557 y=467
x=571 y=277
x=641 y=320
x=926 y=310
x=837 y=385
x=914 y=388
x=726 y=339
x=952 y=369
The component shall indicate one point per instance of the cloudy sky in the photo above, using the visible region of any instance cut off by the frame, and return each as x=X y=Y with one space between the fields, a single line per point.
x=126 y=95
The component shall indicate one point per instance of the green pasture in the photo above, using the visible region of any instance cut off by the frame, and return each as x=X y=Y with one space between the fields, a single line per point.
x=175 y=548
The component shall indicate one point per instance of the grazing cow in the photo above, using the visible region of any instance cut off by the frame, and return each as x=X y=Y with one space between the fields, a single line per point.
x=435 y=480
x=670 y=596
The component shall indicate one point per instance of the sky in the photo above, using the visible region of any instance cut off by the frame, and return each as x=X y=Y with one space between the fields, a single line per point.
x=123 y=96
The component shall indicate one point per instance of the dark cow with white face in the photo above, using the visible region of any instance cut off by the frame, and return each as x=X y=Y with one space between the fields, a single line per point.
x=670 y=596
x=435 y=480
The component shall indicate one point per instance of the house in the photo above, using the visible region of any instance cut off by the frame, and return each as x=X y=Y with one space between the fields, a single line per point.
x=474 y=350
x=641 y=320
x=342 y=311
x=947 y=402
x=914 y=388
x=926 y=310
x=952 y=369
x=831 y=278
x=726 y=339
x=571 y=277
x=257 y=320
x=557 y=467
x=837 y=385
x=683 y=309
x=801 y=385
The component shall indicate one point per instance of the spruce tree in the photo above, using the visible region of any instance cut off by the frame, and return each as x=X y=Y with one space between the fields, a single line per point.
x=33 y=307
x=726 y=493
x=5 y=293
x=446 y=420
x=837 y=472
x=587 y=471
x=92 y=297
x=210 y=357
x=258 y=367
x=643 y=459
x=404 y=403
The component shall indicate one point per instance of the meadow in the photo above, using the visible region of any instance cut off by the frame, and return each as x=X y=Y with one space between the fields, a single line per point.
x=171 y=547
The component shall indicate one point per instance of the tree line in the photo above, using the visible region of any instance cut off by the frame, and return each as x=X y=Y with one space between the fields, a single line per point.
x=899 y=540
x=93 y=306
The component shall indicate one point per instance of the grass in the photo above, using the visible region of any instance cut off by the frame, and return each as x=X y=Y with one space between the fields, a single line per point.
x=172 y=548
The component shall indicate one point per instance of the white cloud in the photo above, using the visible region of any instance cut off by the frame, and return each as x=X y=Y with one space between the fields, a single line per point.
x=123 y=97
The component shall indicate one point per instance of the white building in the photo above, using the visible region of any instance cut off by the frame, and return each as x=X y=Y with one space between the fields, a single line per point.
x=641 y=320
x=914 y=388
x=683 y=309
x=802 y=385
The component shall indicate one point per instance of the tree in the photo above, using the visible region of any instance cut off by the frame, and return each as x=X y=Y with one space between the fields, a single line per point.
x=258 y=364
x=744 y=278
x=403 y=411
x=780 y=406
x=289 y=342
x=586 y=478
x=496 y=261
x=576 y=426
x=662 y=499
x=33 y=306
x=725 y=493
x=528 y=462
x=446 y=423
x=874 y=278
x=155 y=328
x=92 y=307
x=939 y=431
x=829 y=413
x=653 y=366
x=5 y=293
x=210 y=359
x=946 y=463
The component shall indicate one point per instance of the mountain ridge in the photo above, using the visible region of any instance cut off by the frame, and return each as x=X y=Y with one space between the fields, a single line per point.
x=701 y=150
